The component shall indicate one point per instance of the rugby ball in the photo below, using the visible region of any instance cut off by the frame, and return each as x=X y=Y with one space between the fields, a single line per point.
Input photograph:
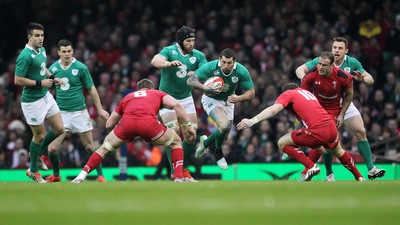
x=215 y=82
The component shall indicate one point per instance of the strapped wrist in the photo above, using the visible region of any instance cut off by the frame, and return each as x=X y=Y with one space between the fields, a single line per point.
x=38 y=83
x=254 y=120
x=52 y=77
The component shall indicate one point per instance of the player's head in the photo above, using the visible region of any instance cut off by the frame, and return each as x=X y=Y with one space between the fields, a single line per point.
x=325 y=63
x=227 y=59
x=289 y=86
x=339 y=47
x=145 y=83
x=35 y=32
x=65 y=50
x=186 y=37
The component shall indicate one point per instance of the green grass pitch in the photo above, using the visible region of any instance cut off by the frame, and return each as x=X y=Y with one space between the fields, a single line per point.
x=203 y=203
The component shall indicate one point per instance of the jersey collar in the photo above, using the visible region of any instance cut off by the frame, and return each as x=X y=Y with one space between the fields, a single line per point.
x=29 y=47
x=62 y=67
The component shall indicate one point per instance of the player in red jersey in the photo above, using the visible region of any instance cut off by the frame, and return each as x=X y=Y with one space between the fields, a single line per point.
x=333 y=88
x=330 y=85
x=136 y=116
x=319 y=129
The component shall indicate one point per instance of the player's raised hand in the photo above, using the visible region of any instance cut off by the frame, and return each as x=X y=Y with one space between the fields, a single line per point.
x=357 y=75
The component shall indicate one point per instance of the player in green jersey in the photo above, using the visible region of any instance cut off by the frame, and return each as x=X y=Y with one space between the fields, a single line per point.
x=175 y=61
x=220 y=105
x=74 y=76
x=352 y=119
x=37 y=103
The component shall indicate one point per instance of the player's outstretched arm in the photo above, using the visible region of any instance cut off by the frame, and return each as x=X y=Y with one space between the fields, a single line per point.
x=265 y=114
x=301 y=71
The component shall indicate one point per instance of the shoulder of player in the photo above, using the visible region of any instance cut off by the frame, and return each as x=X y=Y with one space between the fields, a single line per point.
x=79 y=65
x=241 y=69
x=351 y=59
x=198 y=53
x=343 y=74
x=311 y=72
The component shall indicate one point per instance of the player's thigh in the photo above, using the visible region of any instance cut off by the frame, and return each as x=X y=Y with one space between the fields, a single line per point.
x=166 y=139
x=285 y=140
x=113 y=141
x=356 y=125
x=87 y=140
x=38 y=132
x=170 y=120
x=306 y=138
x=56 y=123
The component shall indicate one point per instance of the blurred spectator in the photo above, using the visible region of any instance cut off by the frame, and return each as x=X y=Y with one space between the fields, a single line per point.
x=69 y=155
x=20 y=155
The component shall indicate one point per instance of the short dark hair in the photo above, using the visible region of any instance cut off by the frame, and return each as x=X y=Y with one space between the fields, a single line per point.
x=64 y=43
x=289 y=86
x=145 y=83
x=183 y=33
x=33 y=26
x=228 y=53
x=341 y=39
x=328 y=55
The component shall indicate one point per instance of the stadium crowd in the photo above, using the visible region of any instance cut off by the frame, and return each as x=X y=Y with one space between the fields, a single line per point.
x=117 y=40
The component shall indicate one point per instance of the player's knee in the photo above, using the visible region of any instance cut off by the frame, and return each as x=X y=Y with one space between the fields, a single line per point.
x=225 y=127
x=52 y=149
x=361 y=134
x=89 y=148
x=281 y=143
x=58 y=130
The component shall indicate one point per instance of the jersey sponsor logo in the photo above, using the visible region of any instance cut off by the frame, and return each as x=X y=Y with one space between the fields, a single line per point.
x=44 y=54
x=334 y=84
x=318 y=82
x=216 y=73
x=174 y=52
x=33 y=56
x=75 y=72
x=54 y=69
x=347 y=69
x=192 y=60
x=235 y=79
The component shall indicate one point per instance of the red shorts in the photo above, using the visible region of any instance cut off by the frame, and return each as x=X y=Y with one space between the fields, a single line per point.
x=326 y=136
x=150 y=129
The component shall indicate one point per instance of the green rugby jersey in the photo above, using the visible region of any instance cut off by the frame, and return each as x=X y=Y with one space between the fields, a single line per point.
x=75 y=77
x=349 y=64
x=32 y=65
x=173 y=79
x=239 y=75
